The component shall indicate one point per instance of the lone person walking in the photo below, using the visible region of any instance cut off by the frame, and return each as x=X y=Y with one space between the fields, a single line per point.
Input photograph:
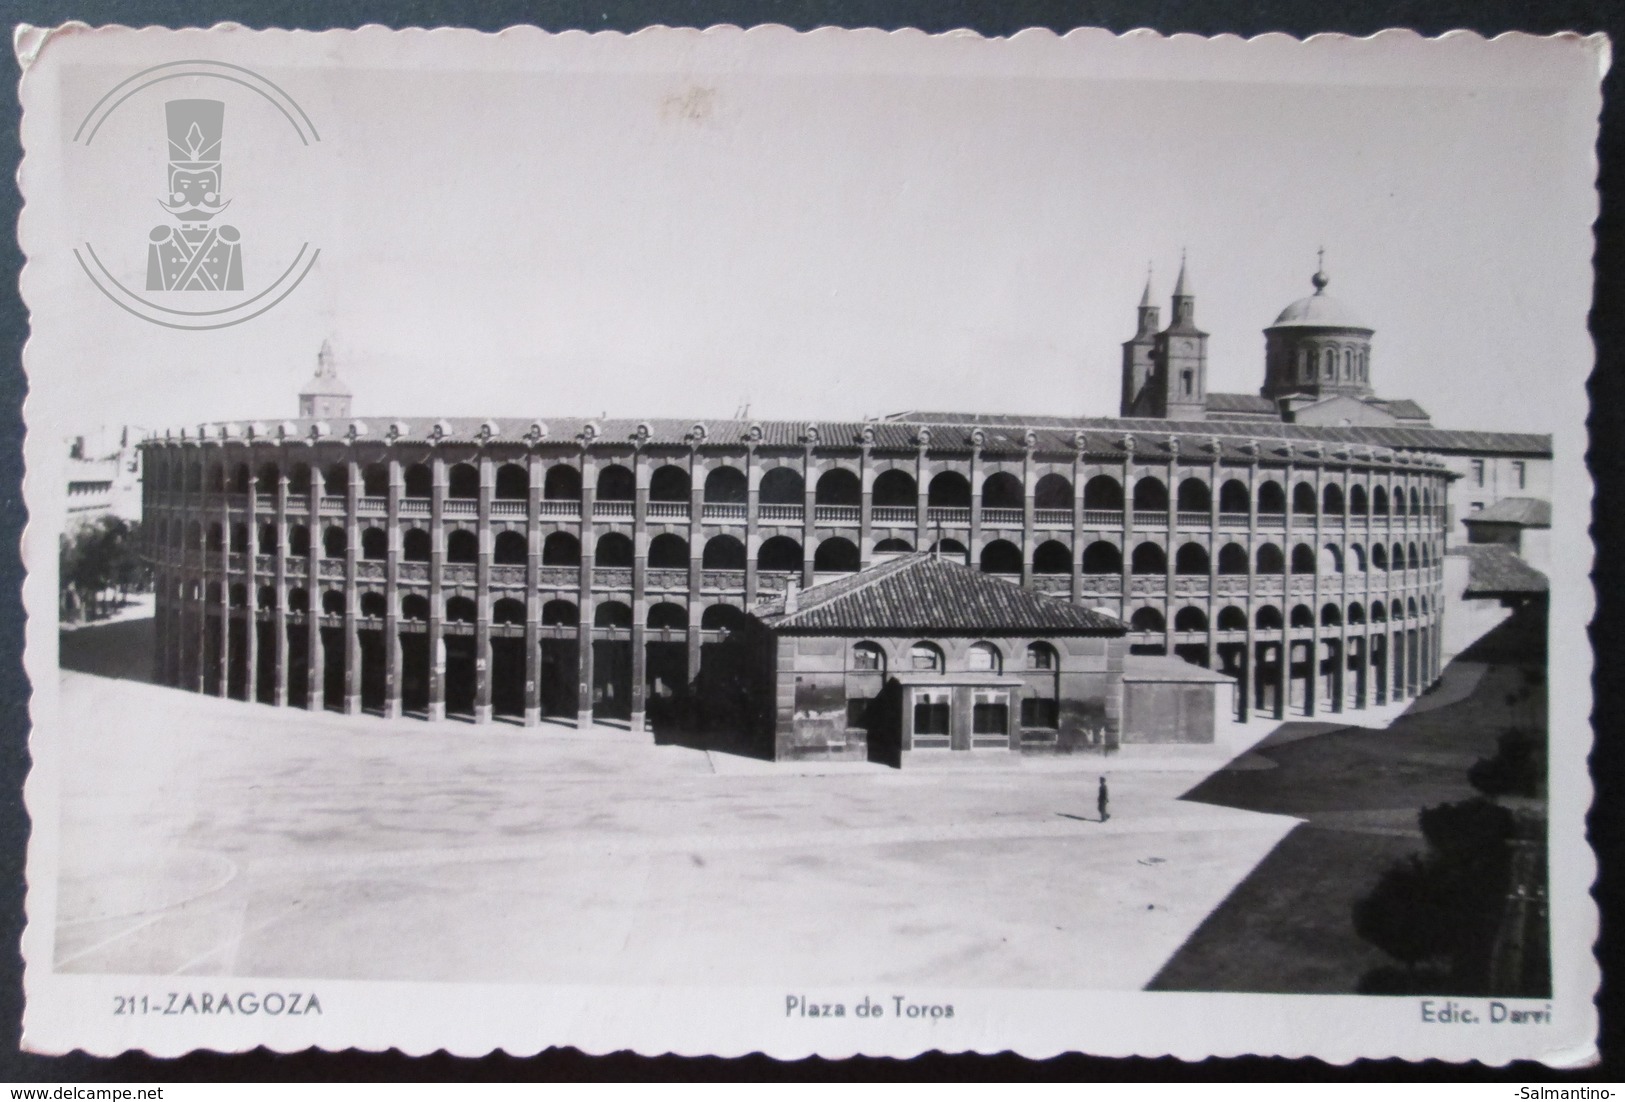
x=1102 y=800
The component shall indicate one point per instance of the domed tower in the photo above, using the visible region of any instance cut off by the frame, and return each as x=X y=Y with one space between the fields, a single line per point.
x=1317 y=348
x=325 y=397
x=1139 y=359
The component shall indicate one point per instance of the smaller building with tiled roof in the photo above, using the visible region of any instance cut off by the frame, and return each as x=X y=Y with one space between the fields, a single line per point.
x=922 y=654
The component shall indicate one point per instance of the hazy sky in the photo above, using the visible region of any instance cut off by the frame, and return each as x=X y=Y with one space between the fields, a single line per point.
x=552 y=225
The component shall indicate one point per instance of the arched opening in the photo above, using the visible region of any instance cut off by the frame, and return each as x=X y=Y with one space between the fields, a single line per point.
x=265 y=596
x=562 y=483
x=373 y=606
x=1190 y=618
x=415 y=607
x=1052 y=557
x=1104 y=493
x=1398 y=559
x=893 y=547
x=726 y=486
x=217 y=538
x=333 y=602
x=1149 y=558
x=237 y=597
x=1267 y=618
x=613 y=550
x=1271 y=498
x=616 y=483
x=667 y=616
x=1001 y=490
x=1331 y=500
x=926 y=657
x=1379 y=613
x=461 y=610
x=782 y=486
x=1147 y=619
x=952 y=550
x=419 y=481
x=1303 y=500
x=723 y=553
x=669 y=483
x=612 y=614
x=1399 y=501
x=1101 y=557
x=780 y=554
x=1001 y=557
x=240 y=478
x=1379 y=501
x=561 y=549
x=1356 y=558
x=1150 y=495
x=1233 y=497
x=1303 y=559
x=896 y=488
x=510 y=549
x=415 y=545
x=1379 y=557
x=1303 y=616
x=1191 y=558
x=1232 y=618
x=508 y=610
x=298 y=540
x=838 y=486
x=298 y=600
x=721 y=618
x=1053 y=492
x=1356 y=613
x=239 y=539
x=1331 y=616
x=559 y=613
x=1331 y=559
x=1359 y=502
x=1269 y=559
x=374 y=544
x=948 y=490
x=668 y=551
x=268 y=479
x=1232 y=559
x=462 y=546
x=513 y=482
x=375 y=480
x=334 y=543
x=836 y=555
x=984 y=658
x=1194 y=496
x=463 y=482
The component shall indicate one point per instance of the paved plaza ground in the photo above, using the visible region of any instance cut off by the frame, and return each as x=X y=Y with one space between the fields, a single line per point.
x=204 y=836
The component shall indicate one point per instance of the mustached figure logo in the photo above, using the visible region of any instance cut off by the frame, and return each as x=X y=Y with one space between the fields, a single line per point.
x=194 y=254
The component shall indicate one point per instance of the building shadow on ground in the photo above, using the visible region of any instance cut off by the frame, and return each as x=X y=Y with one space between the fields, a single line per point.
x=122 y=649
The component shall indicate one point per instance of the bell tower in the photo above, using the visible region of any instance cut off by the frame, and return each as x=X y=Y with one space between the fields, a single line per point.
x=1181 y=357
x=1139 y=363
x=325 y=397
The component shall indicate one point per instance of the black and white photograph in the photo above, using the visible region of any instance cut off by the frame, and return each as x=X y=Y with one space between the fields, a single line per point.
x=741 y=540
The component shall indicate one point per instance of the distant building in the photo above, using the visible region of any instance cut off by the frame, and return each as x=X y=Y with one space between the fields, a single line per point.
x=103 y=478
x=325 y=397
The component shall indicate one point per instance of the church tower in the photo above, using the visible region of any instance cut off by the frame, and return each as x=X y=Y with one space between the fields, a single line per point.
x=1317 y=349
x=1138 y=359
x=325 y=397
x=1181 y=357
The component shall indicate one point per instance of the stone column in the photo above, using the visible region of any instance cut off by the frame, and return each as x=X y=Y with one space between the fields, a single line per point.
x=696 y=553
x=251 y=599
x=753 y=531
x=437 y=588
x=352 y=583
x=315 y=659
x=589 y=482
x=282 y=619
x=640 y=580
x=533 y=581
x=223 y=657
x=866 y=505
x=482 y=594
x=1128 y=529
x=393 y=657
x=1078 y=535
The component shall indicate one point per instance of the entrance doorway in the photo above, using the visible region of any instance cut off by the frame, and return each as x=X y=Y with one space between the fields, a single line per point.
x=461 y=683
x=415 y=672
x=374 y=671
x=612 y=679
x=666 y=673
x=333 y=669
x=508 y=676
x=559 y=672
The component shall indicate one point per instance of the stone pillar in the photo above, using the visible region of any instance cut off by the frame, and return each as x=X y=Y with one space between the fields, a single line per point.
x=533 y=581
x=1078 y=537
x=922 y=507
x=975 y=540
x=352 y=586
x=753 y=531
x=589 y=483
x=316 y=668
x=251 y=600
x=223 y=657
x=393 y=657
x=282 y=621
x=1028 y=520
x=866 y=504
x=696 y=550
x=640 y=577
x=482 y=592
x=437 y=588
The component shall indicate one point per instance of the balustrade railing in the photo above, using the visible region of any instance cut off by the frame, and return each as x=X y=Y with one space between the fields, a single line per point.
x=892 y=514
x=1102 y=585
x=459 y=573
x=615 y=510
x=509 y=508
x=507 y=574
x=836 y=514
x=265 y=503
x=265 y=564
x=666 y=579
x=668 y=510
x=1002 y=516
x=1233 y=520
x=947 y=514
x=562 y=508
x=332 y=504
x=372 y=570
x=773 y=581
x=612 y=577
x=1150 y=518
x=723 y=510
x=415 y=507
x=1189 y=519
x=332 y=568
x=560 y=577
x=373 y=506
x=1102 y=518
x=722 y=579
x=1052 y=518
x=460 y=507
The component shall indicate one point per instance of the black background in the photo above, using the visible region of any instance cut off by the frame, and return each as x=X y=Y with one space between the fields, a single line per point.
x=1206 y=17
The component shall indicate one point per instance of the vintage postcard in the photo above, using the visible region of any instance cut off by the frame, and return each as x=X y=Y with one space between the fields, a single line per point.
x=715 y=541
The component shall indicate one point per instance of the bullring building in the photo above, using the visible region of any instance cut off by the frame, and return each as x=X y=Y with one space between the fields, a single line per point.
x=580 y=569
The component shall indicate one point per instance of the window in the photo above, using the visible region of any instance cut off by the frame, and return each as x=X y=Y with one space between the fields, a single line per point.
x=990 y=714
x=866 y=656
x=982 y=658
x=857 y=713
x=1477 y=506
x=1040 y=712
x=1478 y=472
x=924 y=656
x=931 y=714
x=1187 y=382
x=1040 y=656
x=1518 y=472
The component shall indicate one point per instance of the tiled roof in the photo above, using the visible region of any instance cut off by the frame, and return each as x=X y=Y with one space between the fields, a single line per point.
x=1495 y=570
x=1103 y=437
x=1219 y=401
x=922 y=593
x=1401 y=407
x=1530 y=512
